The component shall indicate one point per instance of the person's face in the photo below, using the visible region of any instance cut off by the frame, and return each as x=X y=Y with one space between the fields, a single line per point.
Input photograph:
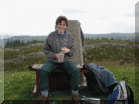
x=61 y=27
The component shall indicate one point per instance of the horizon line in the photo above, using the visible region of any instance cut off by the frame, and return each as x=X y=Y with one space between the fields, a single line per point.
x=83 y=33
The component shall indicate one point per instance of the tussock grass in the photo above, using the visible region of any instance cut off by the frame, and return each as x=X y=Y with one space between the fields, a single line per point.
x=95 y=41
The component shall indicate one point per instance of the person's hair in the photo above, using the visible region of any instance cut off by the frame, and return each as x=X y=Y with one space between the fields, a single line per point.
x=61 y=18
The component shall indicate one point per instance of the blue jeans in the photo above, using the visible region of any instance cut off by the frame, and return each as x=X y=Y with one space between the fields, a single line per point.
x=68 y=66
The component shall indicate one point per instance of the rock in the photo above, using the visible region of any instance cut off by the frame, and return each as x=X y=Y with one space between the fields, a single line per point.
x=1 y=61
x=31 y=54
x=122 y=62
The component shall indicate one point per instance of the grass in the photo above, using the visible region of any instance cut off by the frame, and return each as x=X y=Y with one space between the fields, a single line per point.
x=19 y=82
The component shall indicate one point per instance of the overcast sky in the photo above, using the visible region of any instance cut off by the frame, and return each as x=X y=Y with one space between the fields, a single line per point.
x=38 y=17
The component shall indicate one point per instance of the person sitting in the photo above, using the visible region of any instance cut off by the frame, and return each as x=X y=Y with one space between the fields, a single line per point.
x=59 y=41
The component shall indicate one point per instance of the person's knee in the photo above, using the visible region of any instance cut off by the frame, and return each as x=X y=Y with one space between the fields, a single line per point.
x=77 y=71
x=41 y=71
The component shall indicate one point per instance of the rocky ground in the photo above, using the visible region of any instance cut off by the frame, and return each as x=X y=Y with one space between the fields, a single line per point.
x=86 y=46
x=41 y=53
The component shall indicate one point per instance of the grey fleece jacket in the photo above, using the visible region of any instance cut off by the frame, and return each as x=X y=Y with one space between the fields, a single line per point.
x=53 y=44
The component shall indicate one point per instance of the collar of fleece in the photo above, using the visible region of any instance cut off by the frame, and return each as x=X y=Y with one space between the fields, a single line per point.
x=61 y=34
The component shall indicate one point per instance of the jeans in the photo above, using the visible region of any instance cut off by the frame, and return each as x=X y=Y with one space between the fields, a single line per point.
x=67 y=66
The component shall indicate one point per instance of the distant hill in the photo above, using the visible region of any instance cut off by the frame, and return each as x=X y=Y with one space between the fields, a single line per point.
x=26 y=38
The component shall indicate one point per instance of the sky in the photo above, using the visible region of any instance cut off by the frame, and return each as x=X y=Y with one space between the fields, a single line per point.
x=38 y=17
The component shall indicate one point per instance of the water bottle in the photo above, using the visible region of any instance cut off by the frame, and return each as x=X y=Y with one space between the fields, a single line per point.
x=88 y=100
x=85 y=100
x=62 y=56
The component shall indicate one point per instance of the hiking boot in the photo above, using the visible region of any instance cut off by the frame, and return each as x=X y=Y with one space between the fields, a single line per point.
x=75 y=99
x=44 y=100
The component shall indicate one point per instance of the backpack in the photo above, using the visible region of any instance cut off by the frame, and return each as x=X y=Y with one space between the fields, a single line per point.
x=122 y=94
x=117 y=92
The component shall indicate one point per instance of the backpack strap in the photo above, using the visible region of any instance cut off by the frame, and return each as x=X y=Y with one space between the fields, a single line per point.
x=130 y=95
x=129 y=92
x=125 y=78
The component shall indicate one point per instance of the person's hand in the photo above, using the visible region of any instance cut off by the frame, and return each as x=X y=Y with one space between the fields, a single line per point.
x=58 y=56
x=65 y=49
